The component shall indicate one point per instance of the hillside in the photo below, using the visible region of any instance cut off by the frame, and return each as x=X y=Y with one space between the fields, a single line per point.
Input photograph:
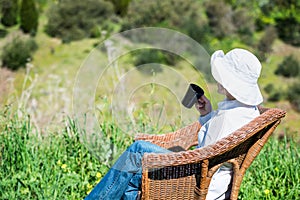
x=48 y=89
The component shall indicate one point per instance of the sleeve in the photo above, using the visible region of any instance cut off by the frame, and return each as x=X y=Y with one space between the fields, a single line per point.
x=205 y=118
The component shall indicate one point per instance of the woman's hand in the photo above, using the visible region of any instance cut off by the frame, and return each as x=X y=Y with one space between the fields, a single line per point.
x=203 y=105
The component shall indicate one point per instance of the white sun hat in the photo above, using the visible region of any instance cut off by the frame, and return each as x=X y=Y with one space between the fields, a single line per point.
x=238 y=72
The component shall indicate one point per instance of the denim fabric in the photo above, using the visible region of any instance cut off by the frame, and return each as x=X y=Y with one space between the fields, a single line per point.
x=123 y=180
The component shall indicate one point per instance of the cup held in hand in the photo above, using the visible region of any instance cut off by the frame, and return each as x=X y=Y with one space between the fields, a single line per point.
x=191 y=96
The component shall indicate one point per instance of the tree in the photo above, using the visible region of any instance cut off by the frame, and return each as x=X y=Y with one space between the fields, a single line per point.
x=220 y=18
x=9 y=9
x=28 y=17
x=121 y=6
x=182 y=15
x=74 y=19
x=284 y=14
x=266 y=42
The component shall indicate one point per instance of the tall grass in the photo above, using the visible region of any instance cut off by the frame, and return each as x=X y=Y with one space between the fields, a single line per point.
x=54 y=166
x=59 y=166
x=275 y=173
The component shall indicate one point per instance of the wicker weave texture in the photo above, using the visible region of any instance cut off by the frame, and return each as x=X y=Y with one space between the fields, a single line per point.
x=187 y=174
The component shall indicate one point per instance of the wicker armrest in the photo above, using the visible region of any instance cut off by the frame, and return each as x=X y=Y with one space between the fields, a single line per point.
x=154 y=160
x=185 y=137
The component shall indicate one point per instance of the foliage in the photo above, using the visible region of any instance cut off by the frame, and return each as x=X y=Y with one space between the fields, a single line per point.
x=274 y=174
x=289 y=67
x=293 y=95
x=284 y=14
x=121 y=6
x=231 y=18
x=274 y=93
x=266 y=42
x=9 y=11
x=220 y=18
x=17 y=52
x=59 y=166
x=182 y=15
x=28 y=17
x=289 y=30
x=243 y=21
x=153 y=56
x=73 y=20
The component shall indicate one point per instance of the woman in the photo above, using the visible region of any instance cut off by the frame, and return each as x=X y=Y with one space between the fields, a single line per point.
x=236 y=73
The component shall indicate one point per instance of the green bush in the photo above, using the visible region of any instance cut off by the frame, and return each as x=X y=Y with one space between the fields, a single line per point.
x=293 y=95
x=121 y=6
x=274 y=94
x=265 y=43
x=9 y=11
x=183 y=15
x=28 y=17
x=220 y=18
x=17 y=52
x=289 y=67
x=145 y=56
x=148 y=56
x=285 y=16
x=73 y=20
x=269 y=88
x=289 y=30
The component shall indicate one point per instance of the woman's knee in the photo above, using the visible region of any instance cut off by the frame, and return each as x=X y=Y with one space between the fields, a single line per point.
x=138 y=145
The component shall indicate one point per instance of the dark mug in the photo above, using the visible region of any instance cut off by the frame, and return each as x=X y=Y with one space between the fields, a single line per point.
x=193 y=93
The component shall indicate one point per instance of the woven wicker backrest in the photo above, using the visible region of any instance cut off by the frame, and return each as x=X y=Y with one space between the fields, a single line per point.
x=187 y=174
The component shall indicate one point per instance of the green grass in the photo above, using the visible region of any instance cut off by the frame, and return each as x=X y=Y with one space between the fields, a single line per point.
x=59 y=166
x=275 y=172
x=56 y=166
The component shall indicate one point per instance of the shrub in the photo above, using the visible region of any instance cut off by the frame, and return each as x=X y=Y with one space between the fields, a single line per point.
x=9 y=11
x=28 y=17
x=182 y=15
x=269 y=88
x=285 y=16
x=289 y=67
x=220 y=18
x=121 y=6
x=289 y=30
x=266 y=42
x=73 y=20
x=146 y=56
x=274 y=93
x=293 y=95
x=17 y=52
x=275 y=96
x=243 y=21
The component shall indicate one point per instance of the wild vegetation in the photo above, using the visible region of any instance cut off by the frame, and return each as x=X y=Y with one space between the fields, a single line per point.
x=43 y=44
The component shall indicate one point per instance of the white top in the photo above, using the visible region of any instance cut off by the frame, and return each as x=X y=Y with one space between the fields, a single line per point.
x=230 y=116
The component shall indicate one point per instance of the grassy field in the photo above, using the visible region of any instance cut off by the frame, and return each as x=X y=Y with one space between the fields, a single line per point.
x=59 y=166
x=42 y=155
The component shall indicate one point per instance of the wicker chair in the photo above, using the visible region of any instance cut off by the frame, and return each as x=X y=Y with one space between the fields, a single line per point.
x=187 y=174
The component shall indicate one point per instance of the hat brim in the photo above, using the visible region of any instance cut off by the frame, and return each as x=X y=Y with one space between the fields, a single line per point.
x=241 y=90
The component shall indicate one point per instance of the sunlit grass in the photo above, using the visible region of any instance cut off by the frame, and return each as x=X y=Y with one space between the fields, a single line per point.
x=60 y=166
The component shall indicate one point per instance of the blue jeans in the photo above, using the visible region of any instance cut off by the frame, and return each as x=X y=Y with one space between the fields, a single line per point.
x=123 y=180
